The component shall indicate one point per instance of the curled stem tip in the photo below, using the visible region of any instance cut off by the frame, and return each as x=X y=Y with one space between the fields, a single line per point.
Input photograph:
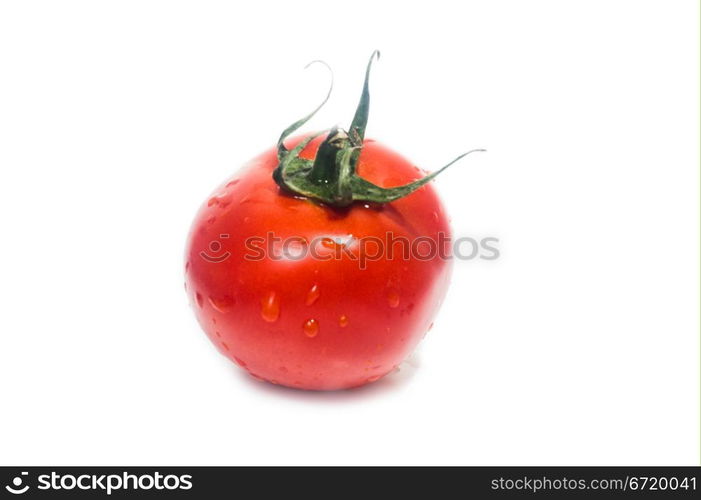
x=282 y=150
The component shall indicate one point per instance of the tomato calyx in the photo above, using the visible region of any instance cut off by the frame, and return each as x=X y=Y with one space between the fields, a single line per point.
x=331 y=176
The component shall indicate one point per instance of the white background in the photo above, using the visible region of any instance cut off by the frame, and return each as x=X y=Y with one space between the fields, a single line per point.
x=579 y=346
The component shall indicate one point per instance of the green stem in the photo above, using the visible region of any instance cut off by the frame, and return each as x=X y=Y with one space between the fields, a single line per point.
x=331 y=177
x=325 y=168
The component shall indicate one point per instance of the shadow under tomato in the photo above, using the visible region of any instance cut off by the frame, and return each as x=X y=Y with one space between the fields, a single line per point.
x=386 y=384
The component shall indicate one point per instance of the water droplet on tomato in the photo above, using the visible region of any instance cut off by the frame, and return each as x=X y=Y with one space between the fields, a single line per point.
x=343 y=321
x=436 y=217
x=283 y=369
x=225 y=346
x=232 y=183
x=221 y=304
x=219 y=201
x=311 y=327
x=270 y=307
x=199 y=299
x=393 y=299
x=312 y=295
x=328 y=243
x=217 y=333
x=240 y=362
x=211 y=220
x=374 y=378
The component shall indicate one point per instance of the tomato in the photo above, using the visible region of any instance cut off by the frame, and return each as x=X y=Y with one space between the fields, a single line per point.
x=301 y=288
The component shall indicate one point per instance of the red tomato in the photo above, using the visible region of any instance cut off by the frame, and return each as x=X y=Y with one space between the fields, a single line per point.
x=320 y=266
x=307 y=322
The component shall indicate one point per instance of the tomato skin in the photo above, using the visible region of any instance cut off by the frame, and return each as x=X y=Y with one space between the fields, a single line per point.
x=309 y=323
